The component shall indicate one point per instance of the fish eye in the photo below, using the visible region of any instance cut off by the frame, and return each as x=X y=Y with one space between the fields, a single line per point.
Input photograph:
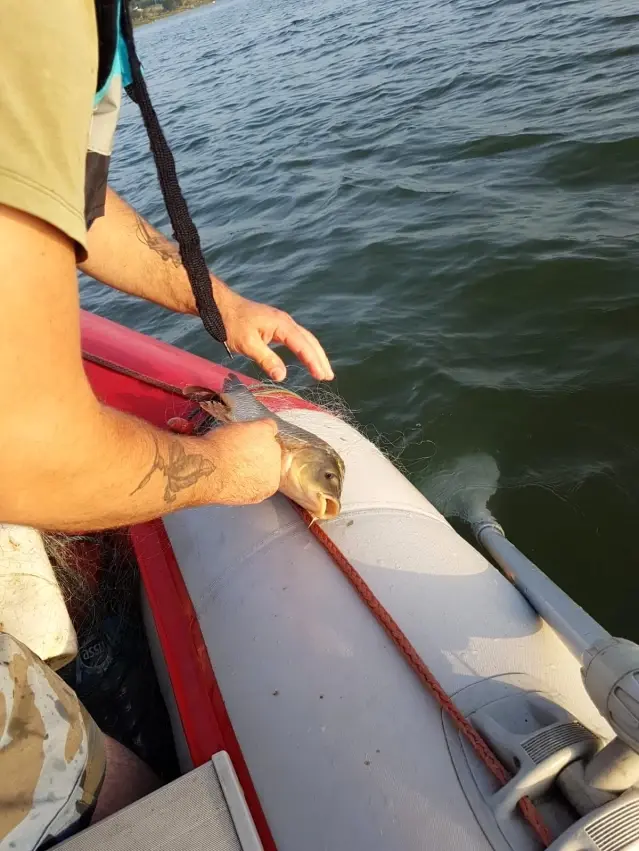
x=329 y=476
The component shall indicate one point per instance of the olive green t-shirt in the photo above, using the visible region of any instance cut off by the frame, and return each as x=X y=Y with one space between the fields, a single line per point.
x=48 y=74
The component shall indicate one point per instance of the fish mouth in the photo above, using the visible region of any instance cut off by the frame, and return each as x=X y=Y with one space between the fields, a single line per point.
x=329 y=507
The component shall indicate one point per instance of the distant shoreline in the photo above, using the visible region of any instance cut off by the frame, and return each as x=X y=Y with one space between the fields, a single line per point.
x=151 y=17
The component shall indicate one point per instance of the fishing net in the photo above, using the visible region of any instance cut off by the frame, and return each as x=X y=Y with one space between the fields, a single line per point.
x=68 y=557
x=113 y=673
x=393 y=447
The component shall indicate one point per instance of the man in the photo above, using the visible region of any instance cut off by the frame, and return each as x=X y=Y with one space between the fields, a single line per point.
x=68 y=462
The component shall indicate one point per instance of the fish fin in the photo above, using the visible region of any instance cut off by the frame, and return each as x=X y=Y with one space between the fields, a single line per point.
x=218 y=410
x=241 y=401
x=232 y=382
x=209 y=401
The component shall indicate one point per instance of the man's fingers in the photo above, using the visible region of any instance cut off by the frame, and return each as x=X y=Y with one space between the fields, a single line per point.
x=296 y=338
x=328 y=372
x=304 y=345
x=264 y=429
x=267 y=423
x=265 y=358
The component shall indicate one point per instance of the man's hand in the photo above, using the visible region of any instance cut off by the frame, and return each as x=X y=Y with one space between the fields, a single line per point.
x=127 y=253
x=252 y=326
x=248 y=460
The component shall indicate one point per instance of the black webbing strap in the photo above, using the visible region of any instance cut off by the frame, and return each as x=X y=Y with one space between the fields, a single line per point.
x=184 y=229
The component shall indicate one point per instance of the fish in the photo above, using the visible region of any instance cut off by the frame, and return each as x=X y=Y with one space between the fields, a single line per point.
x=312 y=471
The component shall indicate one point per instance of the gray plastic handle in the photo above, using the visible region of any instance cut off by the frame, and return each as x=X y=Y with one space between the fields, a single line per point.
x=577 y=629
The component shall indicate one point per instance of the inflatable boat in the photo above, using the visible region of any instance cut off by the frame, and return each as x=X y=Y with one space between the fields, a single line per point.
x=298 y=719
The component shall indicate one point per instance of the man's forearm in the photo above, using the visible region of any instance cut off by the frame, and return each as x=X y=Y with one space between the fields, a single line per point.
x=128 y=254
x=67 y=462
x=99 y=470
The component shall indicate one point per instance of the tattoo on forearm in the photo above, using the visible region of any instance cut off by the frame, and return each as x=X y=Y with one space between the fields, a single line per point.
x=169 y=252
x=180 y=470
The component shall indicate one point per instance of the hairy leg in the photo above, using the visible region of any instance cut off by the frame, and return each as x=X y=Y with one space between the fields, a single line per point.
x=127 y=779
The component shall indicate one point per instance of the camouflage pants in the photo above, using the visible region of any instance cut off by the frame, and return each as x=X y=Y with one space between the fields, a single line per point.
x=52 y=759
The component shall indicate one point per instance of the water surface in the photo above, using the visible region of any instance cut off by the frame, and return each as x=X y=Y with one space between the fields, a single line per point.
x=446 y=193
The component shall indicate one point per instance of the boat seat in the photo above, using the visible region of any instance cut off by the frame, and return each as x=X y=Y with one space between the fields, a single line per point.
x=204 y=809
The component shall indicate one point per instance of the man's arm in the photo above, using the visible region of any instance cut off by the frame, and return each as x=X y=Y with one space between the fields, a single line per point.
x=66 y=461
x=128 y=254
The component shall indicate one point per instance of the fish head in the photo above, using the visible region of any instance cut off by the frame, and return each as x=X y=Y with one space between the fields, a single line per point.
x=312 y=476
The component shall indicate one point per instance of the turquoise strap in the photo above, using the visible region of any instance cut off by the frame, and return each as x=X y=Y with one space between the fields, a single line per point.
x=120 y=65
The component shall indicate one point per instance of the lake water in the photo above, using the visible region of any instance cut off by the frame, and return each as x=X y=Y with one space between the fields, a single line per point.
x=446 y=193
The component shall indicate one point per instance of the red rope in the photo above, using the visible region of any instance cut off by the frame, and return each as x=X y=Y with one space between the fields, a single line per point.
x=481 y=748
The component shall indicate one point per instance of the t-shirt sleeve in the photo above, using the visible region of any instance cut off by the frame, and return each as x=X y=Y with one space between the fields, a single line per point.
x=48 y=74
